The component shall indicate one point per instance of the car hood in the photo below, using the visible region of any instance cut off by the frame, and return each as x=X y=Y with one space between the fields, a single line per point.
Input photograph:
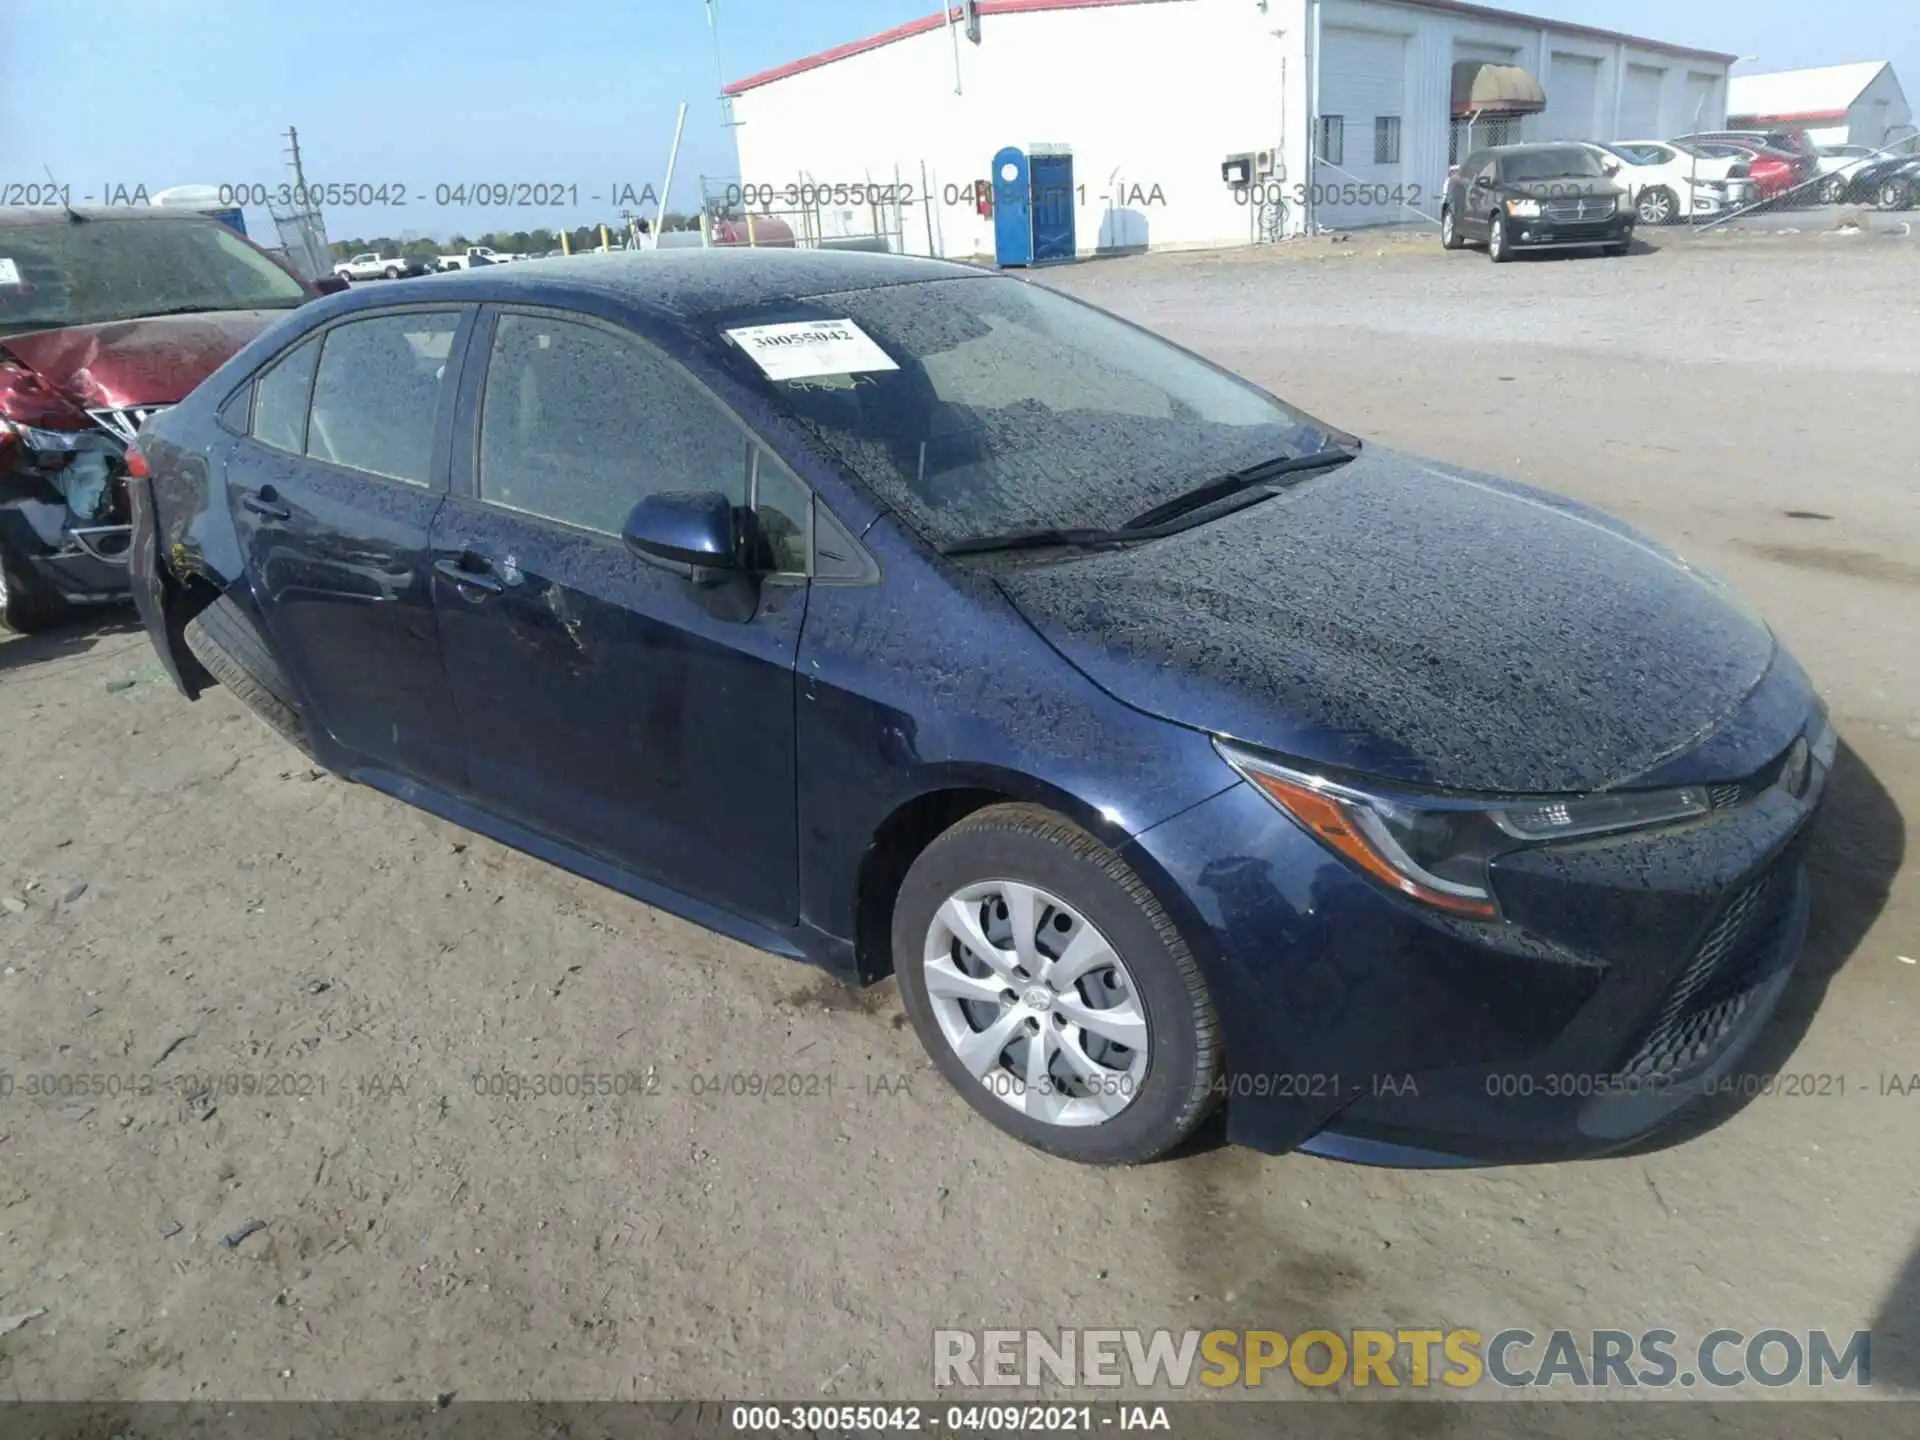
x=1415 y=622
x=137 y=362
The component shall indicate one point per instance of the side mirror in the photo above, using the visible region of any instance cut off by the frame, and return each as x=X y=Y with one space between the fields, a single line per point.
x=330 y=284
x=695 y=532
x=1612 y=167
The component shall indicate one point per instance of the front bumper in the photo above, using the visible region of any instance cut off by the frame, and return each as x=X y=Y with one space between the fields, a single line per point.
x=1570 y=235
x=1628 y=975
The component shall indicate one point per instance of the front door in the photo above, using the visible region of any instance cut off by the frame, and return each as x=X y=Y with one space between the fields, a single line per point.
x=333 y=492
x=604 y=703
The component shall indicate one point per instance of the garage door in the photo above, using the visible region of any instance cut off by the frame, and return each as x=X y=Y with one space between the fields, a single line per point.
x=1703 y=102
x=1640 y=104
x=1359 y=138
x=1573 y=94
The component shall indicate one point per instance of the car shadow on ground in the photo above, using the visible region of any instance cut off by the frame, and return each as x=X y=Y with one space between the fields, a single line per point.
x=1857 y=849
x=1896 y=1330
x=69 y=641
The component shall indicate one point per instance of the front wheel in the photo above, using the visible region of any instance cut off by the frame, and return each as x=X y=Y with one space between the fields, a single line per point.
x=1449 y=231
x=1497 y=248
x=1658 y=206
x=1833 y=190
x=1052 y=990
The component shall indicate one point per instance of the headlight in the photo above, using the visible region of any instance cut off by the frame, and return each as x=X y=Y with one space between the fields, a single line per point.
x=1437 y=848
x=1524 y=209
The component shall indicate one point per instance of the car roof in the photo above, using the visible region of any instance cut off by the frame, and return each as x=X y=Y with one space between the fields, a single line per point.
x=1535 y=145
x=685 y=282
x=58 y=214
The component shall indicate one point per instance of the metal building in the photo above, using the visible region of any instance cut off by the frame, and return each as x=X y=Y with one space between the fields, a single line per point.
x=1859 y=104
x=1192 y=123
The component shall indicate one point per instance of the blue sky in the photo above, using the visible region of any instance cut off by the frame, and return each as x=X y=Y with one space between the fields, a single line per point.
x=579 y=92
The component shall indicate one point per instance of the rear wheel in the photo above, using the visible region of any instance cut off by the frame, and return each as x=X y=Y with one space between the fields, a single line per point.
x=27 y=603
x=392 y=272
x=1497 y=248
x=224 y=640
x=1052 y=990
x=1895 y=195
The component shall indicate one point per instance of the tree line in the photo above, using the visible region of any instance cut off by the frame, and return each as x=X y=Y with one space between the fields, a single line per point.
x=509 y=242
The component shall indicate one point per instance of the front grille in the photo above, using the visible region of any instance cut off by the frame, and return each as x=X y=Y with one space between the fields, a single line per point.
x=1581 y=208
x=124 y=422
x=1707 y=1001
x=1724 y=795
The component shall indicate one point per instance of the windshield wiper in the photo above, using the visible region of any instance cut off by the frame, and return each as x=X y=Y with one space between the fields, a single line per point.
x=1040 y=539
x=1233 y=481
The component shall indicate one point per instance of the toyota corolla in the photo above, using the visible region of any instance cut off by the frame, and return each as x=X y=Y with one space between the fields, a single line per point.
x=1171 y=746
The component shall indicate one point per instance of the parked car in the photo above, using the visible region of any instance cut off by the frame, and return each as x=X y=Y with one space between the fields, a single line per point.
x=472 y=258
x=1772 y=171
x=1838 y=165
x=900 y=616
x=1891 y=183
x=372 y=265
x=1791 y=148
x=1665 y=183
x=106 y=317
x=1535 y=197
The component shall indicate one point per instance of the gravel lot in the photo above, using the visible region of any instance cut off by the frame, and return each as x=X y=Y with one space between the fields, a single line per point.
x=185 y=898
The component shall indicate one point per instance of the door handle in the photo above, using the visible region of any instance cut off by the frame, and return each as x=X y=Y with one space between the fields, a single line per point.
x=457 y=571
x=266 y=502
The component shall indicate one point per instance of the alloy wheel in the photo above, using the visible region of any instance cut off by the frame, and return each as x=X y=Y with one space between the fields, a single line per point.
x=1036 y=1003
x=1656 y=207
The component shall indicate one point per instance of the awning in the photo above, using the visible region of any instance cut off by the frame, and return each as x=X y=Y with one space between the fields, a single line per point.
x=1482 y=87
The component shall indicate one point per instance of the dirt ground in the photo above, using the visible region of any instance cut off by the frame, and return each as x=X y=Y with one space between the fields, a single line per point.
x=184 y=898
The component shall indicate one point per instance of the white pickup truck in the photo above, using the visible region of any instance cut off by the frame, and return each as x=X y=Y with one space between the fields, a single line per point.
x=471 y=256
x=371 y=265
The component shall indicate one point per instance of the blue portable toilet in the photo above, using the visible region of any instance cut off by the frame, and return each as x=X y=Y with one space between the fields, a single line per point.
x=1012 y=215
x=1051 y=170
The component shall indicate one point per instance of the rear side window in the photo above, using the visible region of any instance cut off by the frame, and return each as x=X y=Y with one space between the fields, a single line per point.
x=377 y=392
x=579 y=424
x=280 y=399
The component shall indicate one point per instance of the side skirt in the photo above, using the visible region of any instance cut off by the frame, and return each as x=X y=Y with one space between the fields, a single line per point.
x=803 y=943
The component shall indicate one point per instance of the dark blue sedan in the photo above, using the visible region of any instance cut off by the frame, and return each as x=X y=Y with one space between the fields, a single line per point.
x=1167 y=744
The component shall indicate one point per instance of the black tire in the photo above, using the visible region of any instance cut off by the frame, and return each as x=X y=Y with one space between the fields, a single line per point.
x=1833 y=190
x=391 y=272
x=1030 y=845
x=224 y=640
x=27 y=603
x=1450 y=238
x=1499 y=251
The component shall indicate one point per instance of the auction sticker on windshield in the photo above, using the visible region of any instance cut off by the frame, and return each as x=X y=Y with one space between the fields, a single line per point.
x=806 y=348
x=9 y=272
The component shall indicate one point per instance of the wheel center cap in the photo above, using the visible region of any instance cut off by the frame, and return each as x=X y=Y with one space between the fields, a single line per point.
x=1038 y=997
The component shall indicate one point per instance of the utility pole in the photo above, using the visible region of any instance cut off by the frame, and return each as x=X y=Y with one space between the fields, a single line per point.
x=293 y=159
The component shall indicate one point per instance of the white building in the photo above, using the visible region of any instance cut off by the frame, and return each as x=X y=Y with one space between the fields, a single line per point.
x=1859 y=104
x=1154 y=97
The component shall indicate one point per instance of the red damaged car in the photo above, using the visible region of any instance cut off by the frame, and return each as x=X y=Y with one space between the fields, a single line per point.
x=106 y=316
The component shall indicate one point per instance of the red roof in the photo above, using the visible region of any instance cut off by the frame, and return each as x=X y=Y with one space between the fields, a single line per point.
x=1022 y=7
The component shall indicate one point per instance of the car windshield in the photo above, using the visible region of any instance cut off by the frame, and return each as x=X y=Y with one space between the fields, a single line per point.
x=93 y=271
x=1572 y=162
x=993 y=405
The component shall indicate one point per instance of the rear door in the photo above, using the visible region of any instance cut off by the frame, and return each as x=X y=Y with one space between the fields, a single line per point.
x=333 y=491
x=604 y=702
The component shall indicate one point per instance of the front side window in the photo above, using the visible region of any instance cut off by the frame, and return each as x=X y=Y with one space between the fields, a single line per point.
x=280 y=398
x=1003 y=405
x=100 y=270
x=376 y=393
x=580 y=423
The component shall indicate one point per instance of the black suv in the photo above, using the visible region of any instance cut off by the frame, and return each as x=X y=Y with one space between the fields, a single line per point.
x=1535 y=197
